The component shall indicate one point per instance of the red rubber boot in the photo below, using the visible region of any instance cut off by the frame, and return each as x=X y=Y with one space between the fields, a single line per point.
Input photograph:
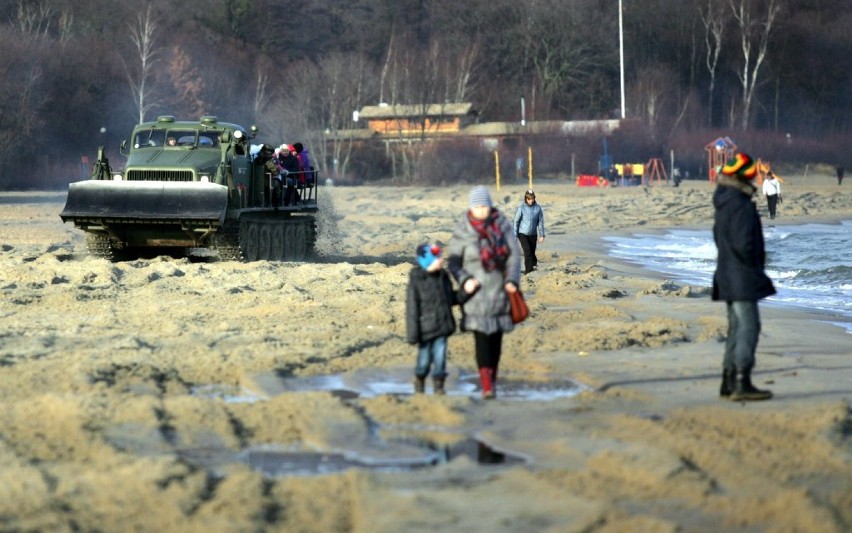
x=486 y=377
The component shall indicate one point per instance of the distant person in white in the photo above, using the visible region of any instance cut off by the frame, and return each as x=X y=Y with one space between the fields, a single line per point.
x=772 y=191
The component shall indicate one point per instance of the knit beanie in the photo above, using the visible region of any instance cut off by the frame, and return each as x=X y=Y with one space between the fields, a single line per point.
x=427 y=254
x=741 y=166
x=479 y=196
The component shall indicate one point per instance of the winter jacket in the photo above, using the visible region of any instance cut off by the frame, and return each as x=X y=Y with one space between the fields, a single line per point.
x=738 y=234
x=771 y=187
x=529 y=219
x=487 y=310
x=305 y=160
x=289 y=162
x=428 y=309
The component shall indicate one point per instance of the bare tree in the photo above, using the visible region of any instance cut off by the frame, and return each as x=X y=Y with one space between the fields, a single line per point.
x=34 y=19
x=261 y=92
x=66 y=25
x=714 y=17
x=385 y=67
x=142 y=35
x=564 y=52
x=187 y=84
x=460 y=80
x=754 y=41
x=318 y=108
x=651 y=93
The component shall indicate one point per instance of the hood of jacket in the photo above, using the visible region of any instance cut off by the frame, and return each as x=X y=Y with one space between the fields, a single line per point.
x=731 y=190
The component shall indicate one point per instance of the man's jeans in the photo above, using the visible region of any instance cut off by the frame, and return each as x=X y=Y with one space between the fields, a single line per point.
x=432 y=352
x=743 y=331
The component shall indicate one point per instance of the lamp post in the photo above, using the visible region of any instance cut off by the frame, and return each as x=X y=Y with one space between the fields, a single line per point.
x=621 y=53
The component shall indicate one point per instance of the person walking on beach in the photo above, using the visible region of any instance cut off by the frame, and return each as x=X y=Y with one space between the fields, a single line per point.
x=739 y=280
x=772 y=191
x=529 y=229
x=485 y=259
x=840 y=171
x=428 y=316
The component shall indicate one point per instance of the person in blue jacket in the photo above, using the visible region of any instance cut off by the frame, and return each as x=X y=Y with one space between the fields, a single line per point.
x=529 y=229
x=739 y=280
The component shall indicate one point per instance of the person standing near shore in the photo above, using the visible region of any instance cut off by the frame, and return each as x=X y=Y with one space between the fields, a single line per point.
x=740 y=280
x=772 y=191
x=429 y=317
x=840 y=171
x=485 y=260
x=529 y=229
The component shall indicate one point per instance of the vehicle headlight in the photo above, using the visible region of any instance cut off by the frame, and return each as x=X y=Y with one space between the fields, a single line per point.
x=204 y=178
x=116 y=177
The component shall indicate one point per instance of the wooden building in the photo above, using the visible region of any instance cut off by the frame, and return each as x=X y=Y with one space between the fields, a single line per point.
x=417 y=119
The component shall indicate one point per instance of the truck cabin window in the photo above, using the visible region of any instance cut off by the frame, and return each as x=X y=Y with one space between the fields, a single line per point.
x=149 y=139
x=180 y=138
x=209 y=139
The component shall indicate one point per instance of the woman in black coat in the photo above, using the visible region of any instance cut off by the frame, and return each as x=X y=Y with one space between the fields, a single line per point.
x=739 y=279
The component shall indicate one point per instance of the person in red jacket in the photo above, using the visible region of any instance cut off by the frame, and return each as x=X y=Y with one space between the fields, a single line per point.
x=739 y=280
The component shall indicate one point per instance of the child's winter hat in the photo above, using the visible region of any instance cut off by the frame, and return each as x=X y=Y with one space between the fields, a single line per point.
x=479 y=196
x=740 y=166
x=427 y=254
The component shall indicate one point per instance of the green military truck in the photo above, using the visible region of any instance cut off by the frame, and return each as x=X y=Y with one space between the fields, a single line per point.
x=193 y=185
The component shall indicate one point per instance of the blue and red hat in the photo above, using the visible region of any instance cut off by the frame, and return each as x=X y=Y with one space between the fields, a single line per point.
x=427 y=254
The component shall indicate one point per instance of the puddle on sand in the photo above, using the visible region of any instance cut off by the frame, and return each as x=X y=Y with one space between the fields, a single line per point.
x=274 y=462
x=227 y=393
x=412 y=454
x=373 y=382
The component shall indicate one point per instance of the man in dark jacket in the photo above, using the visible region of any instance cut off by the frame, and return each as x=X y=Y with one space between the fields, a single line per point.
x=289 y=164
x=428 y=316
x=740 y=279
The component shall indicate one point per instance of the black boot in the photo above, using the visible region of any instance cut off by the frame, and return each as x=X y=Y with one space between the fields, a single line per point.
x=744 y=391
x=419 y=384
x=439 y=386
x=729 y=382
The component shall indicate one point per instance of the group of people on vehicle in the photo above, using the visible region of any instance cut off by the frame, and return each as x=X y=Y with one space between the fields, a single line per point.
x=291 y=171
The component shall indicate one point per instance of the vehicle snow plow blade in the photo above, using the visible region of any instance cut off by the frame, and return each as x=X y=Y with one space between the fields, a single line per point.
x=96 y=201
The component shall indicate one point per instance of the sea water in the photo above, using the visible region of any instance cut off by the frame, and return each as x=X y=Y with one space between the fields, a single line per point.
x=810 y=264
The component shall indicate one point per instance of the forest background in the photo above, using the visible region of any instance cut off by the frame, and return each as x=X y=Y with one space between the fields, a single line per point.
x=774 y=75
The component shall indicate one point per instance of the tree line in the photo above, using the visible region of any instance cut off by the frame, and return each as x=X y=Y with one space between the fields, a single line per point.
x=79 y=73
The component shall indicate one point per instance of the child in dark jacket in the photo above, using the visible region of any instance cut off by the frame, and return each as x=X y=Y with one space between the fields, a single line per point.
x=429 y=317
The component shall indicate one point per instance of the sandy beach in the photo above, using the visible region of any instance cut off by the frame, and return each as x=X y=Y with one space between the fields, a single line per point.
x=191 y=395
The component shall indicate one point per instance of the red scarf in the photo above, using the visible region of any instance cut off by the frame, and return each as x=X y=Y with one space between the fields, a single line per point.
x=493 y=250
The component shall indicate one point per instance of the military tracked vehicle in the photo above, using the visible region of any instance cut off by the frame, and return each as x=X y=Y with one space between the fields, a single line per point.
x=193 y=185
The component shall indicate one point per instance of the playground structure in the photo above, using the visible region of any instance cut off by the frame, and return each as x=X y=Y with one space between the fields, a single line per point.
x=722 y=150
x=763 y=168
x=655 y=172
x=628 y=174
x=718 y=153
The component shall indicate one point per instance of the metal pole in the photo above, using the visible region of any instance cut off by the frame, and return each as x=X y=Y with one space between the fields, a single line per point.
x=621 y=54
x=530 y=167
x=497 y=168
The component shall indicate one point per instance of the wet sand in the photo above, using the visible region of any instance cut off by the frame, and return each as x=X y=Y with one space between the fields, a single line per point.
x=187 y=395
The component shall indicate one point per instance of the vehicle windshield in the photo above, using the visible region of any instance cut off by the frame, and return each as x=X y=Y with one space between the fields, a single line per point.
x=149 y=139
x=180 y=138
x=209 y=139
x=158 y=138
